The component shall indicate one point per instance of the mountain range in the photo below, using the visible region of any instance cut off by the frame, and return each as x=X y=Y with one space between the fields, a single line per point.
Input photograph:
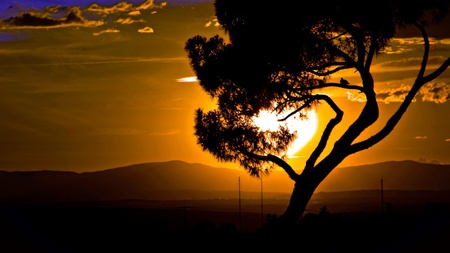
x=181 y=180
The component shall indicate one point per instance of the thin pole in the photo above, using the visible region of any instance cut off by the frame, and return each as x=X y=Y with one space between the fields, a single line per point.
x=240 y=217
x=382 y=197
x=262 y=209
x=185 y=215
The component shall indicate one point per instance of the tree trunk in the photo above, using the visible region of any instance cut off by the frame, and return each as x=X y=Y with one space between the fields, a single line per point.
x=304 y=188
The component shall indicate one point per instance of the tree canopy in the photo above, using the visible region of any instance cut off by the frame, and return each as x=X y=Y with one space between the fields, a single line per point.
x=280 y=57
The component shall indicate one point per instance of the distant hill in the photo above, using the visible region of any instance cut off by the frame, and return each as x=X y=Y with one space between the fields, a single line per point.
x=396 y=175
x=181 y=180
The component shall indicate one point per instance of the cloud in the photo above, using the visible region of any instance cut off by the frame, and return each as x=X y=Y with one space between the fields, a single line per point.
x=111 y=30
x=404 y=62
x=445 y=42
x=104 y=10
x=73 y=17
x=431 y=92
x=395 y=50
x=127 y=21
x=120 y=131
x=393 y=94
x=146 y=30
x=149 y=4
x=124 y=7
x=420 y=137
x=213 y=22
x=134 y=13
x=448 y=140
x=130 y=131
x=402 y=45
x=189 y=79
x=168 y=132
x=435 y=92
x=423 y=160
x=92 y=16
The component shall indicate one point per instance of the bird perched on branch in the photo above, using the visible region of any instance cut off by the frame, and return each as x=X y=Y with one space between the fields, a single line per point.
x=344 y=82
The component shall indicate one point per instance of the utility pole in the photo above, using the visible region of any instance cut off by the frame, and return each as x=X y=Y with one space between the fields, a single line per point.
x=262 y=209
x=382 y=197
x=240 y=217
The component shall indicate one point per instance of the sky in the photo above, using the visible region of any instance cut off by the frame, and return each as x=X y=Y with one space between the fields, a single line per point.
x=90 y=86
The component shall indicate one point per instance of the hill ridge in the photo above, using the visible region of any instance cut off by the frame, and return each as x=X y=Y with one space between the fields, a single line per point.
x=177 y=179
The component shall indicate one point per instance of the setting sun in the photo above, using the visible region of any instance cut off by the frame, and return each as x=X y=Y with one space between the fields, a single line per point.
x=305 y=128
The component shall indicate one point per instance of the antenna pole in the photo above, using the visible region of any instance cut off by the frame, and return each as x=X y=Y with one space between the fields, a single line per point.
x=382 y=197
x=185 y=215
x=240 y=218
x=262 y=212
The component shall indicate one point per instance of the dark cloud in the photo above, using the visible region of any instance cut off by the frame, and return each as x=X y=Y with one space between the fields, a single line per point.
x=35 y=20
x=436 y=92
x=91 y=16
x=27 y=19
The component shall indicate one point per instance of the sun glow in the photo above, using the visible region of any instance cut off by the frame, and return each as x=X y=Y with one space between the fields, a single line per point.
x=305 y=128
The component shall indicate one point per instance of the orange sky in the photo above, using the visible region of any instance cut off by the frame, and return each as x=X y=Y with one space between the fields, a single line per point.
x=105 y=92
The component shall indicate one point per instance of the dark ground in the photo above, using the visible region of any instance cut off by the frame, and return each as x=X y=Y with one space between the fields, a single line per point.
x=218 y=226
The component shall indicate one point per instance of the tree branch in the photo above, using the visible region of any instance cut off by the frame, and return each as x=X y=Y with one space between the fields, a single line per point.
x=370 y=55
x=275 y=159
x=326 y=133
x=395 y=118
x=437 y=72
x=327 y=85
x=426 y=51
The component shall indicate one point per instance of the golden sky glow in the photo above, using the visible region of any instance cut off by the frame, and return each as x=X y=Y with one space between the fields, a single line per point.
x=115 y=88
x=305 y=128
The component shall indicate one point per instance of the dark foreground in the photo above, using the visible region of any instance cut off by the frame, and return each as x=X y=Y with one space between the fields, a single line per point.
x=217 y=226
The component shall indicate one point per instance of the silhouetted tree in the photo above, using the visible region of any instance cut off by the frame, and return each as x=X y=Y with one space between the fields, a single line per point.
x=279 y=57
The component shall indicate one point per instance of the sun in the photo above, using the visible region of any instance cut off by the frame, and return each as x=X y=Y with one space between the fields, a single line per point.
x=305 y=128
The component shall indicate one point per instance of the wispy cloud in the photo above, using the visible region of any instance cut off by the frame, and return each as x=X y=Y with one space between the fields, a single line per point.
x=409 y=63
x=128 y=21
x=124 y=131
x=189 y=79
x=106 y=31
x=165 y=133
x=111 y=61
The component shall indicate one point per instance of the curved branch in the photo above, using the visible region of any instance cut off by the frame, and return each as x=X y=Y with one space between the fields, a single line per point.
x=327 y=85
x=390 y=124
x=317 y=70
x=426 y=52
x=395 y=118
x=370 y=55
x=284 y=165
x=437 y=72
x=278 y=161
x=326 y=133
